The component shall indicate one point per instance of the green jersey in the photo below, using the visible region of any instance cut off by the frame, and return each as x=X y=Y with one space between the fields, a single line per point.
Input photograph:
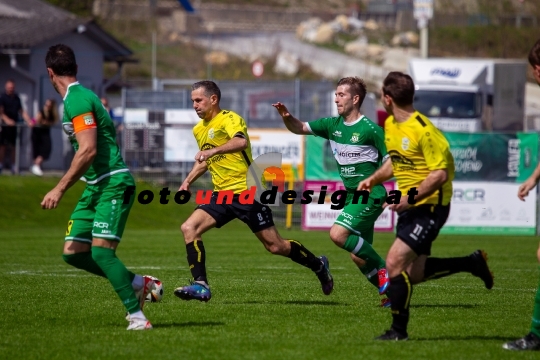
x=83 y=110
x=358 y=147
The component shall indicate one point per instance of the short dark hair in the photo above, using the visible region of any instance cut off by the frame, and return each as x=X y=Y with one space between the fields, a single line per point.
x=61 y=59
x=210 y=88
x=534 y=54
x=357 y=86
x=400 y=87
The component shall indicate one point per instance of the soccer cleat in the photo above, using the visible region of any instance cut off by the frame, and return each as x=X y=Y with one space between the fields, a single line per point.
x=327 y=282
x=392 y=335
x=386 y=303
x=194 y=291
x=384 y=281
x=528 y=342
x=481 y=268
x=139 y=324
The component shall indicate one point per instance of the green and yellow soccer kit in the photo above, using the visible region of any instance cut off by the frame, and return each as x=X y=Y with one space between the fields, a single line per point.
x=100 y=212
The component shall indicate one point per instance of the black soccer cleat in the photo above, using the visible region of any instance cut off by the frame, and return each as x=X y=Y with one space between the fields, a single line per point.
x=481 y=268
x=528 y=342
x=393 y=335
x=325 y=277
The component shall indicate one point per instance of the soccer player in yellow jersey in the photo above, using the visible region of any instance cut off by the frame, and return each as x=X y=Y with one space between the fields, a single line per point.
x=421 y=161
x=225 y=151
x=531 y=341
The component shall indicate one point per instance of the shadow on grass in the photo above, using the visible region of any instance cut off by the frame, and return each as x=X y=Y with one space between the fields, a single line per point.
x=287 y=302
x=464 y=338
x=190 y=324
x=455 y=306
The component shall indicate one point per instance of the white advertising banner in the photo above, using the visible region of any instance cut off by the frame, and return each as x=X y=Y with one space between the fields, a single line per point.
x=490 y=208
x=180 y=145
x=265 y=141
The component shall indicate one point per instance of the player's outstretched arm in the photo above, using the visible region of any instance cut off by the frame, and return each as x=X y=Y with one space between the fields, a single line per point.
x=198 y=169
x=293 y=124
x=529 y=184
x=385 y=172
x=82 y=160
x=236 y=144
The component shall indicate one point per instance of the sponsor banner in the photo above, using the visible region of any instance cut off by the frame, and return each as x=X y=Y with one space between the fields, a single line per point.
x=490 y=208
x=317 y=216
x=180 y=145
x=493 y=157
x=289 y=145
x=477 y=157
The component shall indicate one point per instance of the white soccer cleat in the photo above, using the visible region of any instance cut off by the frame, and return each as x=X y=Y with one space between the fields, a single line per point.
x=139 y=324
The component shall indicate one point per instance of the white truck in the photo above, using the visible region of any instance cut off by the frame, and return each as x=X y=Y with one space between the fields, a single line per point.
x=471 y=95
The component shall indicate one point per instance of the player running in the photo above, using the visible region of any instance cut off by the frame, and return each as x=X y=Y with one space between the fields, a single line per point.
x=98 y=221
x=358 y=147
x=421 y=161
x=531 y=341
x=225 y=150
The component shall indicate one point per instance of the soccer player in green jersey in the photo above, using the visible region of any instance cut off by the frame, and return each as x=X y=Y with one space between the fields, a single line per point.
x=97 y=223
x=359 y=149
x=531 y=341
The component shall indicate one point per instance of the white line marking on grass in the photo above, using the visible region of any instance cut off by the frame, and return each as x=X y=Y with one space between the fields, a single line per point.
x=474 y=287
x=29 y=273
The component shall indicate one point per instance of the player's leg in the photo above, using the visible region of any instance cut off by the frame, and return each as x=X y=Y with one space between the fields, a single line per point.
x=353 y=231
x=435 y=268
x=204 y=218
x=110 y=219
x=400 y=256
x=531 y=341
x=297 y=252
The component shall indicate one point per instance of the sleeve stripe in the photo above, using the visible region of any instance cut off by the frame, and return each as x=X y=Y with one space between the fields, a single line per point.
x=422 y=122
x=309 y=128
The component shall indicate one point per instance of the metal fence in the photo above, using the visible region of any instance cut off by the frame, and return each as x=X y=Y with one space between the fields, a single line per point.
x=143 y=144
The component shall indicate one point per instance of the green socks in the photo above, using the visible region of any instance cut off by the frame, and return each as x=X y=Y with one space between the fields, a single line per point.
x=535 y=325
x=119 y=277
x=85 y=262
x=356 y=245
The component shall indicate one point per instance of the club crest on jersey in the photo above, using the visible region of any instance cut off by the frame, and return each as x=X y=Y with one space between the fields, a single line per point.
x=355 y=137
x=88 y=120
x=405 y=143
x=211 y=133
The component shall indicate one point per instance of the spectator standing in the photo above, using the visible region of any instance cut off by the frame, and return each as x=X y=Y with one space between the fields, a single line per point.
x=41 y=135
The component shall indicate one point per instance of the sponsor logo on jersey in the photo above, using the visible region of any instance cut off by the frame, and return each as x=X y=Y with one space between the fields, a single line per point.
x=355 y=137
x=402 y=163
x=211 y=133
x=405 y=142
x=88 y=120
x=350 y=170
x=350 y=154
x=337 y=133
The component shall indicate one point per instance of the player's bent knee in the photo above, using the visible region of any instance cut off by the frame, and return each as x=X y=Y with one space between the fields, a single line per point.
x=187 y=228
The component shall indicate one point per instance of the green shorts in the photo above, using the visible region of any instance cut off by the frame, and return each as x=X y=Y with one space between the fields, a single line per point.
x=360 y=218
x=101 y=212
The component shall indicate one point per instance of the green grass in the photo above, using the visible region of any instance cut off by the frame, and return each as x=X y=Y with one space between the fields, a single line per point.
x=263 y=306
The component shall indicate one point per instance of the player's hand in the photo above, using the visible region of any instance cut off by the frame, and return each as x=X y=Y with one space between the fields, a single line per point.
x=52 y=199
x=365 y=185
x=184 y=187
x=282 y=109
x=402 y=206
x=204 y=155
x=524 y=189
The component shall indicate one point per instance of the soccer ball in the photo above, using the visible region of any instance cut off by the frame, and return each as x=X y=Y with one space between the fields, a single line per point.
x=156 y=294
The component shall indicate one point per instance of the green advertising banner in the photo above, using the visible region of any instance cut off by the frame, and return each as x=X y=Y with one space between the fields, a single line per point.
x=478 y=157
x=493 y=157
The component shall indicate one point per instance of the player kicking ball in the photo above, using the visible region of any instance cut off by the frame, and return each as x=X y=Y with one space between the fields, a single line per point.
x=359 y=149
x=98 y=221
x=225 y=151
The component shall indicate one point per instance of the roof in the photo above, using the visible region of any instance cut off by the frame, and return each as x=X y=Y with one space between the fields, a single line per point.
x=28 y=23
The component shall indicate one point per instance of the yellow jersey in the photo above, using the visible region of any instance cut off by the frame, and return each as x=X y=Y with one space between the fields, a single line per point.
x=416 y=147
x=229 y=171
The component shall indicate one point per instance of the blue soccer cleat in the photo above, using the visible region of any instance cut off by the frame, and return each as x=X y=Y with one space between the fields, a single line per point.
x=327 y=282
x=194 y=291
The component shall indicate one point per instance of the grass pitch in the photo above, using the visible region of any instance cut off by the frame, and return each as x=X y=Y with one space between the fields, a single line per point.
x=263 y=306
